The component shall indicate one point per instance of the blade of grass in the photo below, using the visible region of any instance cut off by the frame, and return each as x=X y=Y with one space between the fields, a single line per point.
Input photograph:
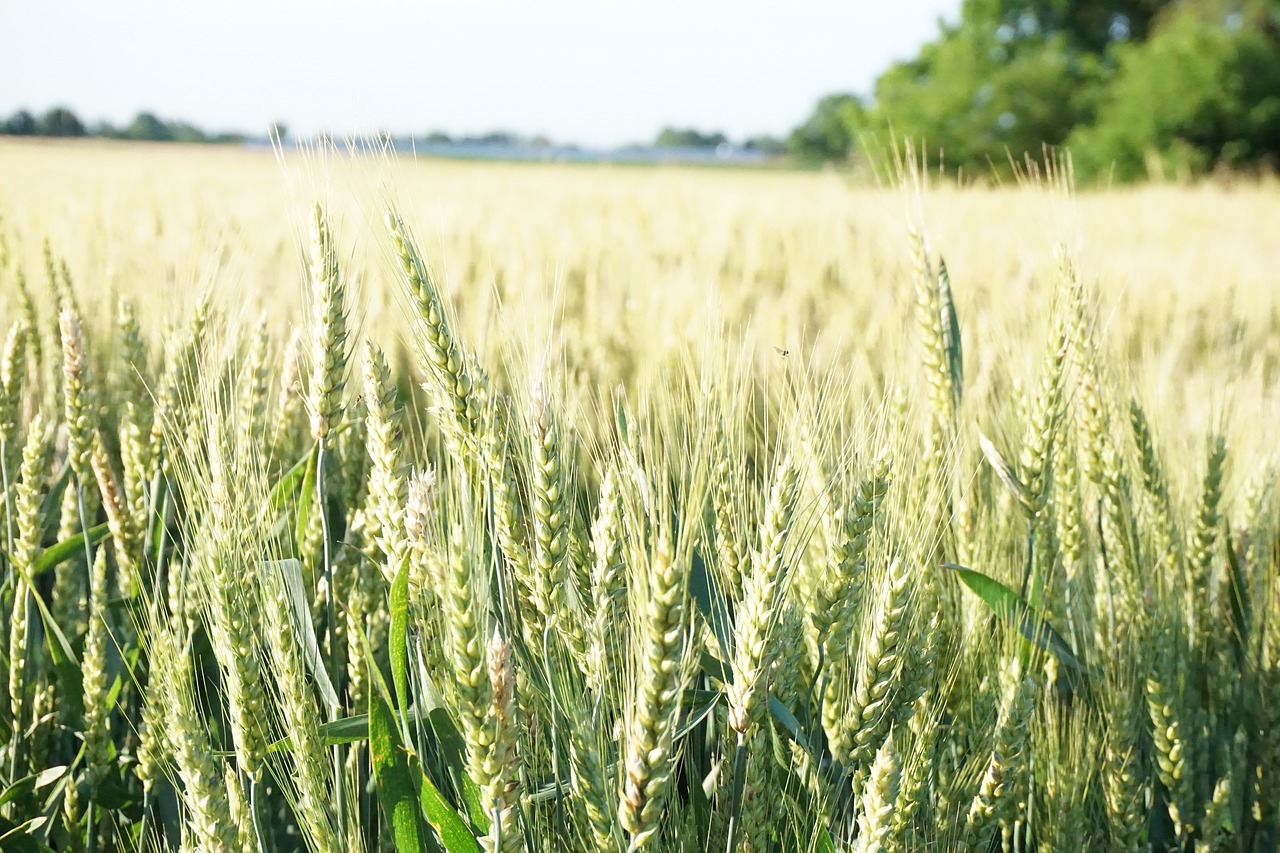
x=446 y=821
x=711 y=603
x=1002 y=468
x=951 y=333
x=62 y=655
x=399 y=639
x=392 y=778
x=291 y=572
x=306 y=501
x=16 y=836
x=288 y=483
x=71 y=547
x=1009 y=606
x=453 y=750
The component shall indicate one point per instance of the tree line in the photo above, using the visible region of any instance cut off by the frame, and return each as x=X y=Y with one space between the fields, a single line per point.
x=1133 y=88
x=62 y=122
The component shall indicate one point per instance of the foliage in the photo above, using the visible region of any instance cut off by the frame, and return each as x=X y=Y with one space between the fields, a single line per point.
x=61 y=121
x=771 y=146
x=1196 y=95
x=828 y=134
x=675 y=137
x=21 y=123
x=1125 y=85
x=980 y=100
x=147 y=126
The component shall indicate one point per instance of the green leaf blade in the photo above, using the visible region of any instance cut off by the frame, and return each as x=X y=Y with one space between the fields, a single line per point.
x=1010 y=607
x=445 y=820
x=392 y=778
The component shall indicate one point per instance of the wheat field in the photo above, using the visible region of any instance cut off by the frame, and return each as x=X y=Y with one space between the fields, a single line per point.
x=364 y=503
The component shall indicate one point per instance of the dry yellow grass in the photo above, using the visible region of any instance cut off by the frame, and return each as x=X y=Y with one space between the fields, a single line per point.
x=600 y=256
x=786 y=643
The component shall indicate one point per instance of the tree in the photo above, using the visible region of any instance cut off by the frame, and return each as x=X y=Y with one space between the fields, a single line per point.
x=830 y=131
x=770 y=146
x=60 y=121
x=1196 y=83
x=149 y=128
x=181 y=131
x=672 y=137
x=1203 y=92
x=21 y=123
x=1010 y=78
x=1089 y=26
x=976 y=101
x=103 y=129
x=496 y=138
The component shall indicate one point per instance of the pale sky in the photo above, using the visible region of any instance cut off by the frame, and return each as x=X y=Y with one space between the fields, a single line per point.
x=598 y=73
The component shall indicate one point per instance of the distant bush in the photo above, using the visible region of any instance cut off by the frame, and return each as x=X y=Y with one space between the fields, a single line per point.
x=61 y=121
x=672 y=137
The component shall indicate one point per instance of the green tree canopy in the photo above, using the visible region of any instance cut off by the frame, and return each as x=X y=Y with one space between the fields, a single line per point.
x=829 y=132
x=1194 y=82
x=147 y=127
x=1010 y=78
x=770 y=146
x=673 y=137
x=1202 y=93
x=61 y=121
x=1086 y=25
x=21 y=123
x=979 y=99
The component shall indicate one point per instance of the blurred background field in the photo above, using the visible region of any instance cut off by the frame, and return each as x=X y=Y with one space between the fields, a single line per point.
x=604 y=258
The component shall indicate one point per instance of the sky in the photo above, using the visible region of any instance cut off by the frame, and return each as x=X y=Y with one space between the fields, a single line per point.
x=598 y=73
